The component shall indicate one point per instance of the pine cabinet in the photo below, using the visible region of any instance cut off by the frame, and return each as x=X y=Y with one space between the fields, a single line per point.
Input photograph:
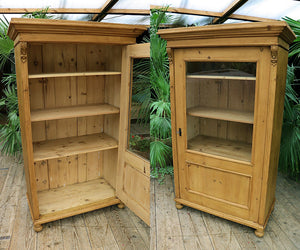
x=227 y=96
x=73 y=81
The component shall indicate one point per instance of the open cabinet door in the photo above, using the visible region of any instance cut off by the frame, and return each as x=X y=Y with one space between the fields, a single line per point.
x=133 y=178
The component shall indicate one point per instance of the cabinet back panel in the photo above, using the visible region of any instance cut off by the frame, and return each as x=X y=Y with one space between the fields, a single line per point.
x=68 y=170
x=224 y=94
x=72 y=91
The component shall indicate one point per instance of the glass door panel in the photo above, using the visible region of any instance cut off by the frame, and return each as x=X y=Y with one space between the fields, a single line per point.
x=220 y=108
x=139 y=122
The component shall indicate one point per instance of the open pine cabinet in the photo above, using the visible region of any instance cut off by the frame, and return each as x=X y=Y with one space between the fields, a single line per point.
x=227 y=96
x=74 y=87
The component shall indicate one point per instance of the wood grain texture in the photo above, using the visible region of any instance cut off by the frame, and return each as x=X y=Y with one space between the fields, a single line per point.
x=81 y=74
x=69 y=92
x=222 y=114
x=71 y=196
x=225 y=148
x=71 y=112
x=132 y=169
x=237 y=30
x=33 y=28
x=72 y=146
x=25 y=124
x=75 y=11
x=220 y=77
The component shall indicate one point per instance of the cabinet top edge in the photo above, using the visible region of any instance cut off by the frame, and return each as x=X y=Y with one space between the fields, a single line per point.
x=259 y=29
x=66 y=27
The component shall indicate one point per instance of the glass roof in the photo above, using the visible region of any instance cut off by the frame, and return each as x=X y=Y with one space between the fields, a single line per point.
x=273 y=9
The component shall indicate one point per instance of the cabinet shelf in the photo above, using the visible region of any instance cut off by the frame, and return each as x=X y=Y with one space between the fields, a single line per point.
x=221 y=147
x=71 y=199
x=222 y=114
x=220 y=77
x=71 y=112
x=68 y=74
x=52 y=149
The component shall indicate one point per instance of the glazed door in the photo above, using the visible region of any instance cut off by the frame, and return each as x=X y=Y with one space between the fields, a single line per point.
x=220 y=109
x=133 y=177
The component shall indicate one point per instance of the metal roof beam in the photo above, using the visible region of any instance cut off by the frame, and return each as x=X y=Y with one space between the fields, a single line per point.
x=104 y=9
x=212 y=14
x=234 y=6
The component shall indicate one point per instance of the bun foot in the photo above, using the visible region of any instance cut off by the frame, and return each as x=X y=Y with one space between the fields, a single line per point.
x=178 y=205
x=37 y=227
x=121 y=205
x=259 y=232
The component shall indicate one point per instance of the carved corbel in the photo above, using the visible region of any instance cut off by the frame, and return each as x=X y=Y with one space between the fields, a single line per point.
x=23 y=52
x=170 y=56
x=274 y=54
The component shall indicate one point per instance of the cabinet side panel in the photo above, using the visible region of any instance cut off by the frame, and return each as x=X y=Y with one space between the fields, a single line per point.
x=25 y=123
x=277 y=104
x=172 y=59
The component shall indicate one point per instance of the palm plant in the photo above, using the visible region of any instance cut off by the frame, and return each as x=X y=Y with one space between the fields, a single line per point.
x=141 y=94
x=289 y=160
x=10 y=134
x=10 y=131
x=6 y=45
x=160 y=117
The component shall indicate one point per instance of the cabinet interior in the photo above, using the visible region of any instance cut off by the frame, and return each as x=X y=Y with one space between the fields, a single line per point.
x=75 y=105
x=220 y=108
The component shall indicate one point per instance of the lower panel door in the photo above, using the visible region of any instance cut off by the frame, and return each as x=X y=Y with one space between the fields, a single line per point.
x=133 y=177
x=217 y=184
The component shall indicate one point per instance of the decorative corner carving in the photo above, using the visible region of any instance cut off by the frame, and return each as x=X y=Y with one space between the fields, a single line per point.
x=23 y=52
x=170 y=55
x=274 y=55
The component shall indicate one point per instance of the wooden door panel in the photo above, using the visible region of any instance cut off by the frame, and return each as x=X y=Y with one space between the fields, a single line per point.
x=219 y=184
x=133 y=177
x=219 y=177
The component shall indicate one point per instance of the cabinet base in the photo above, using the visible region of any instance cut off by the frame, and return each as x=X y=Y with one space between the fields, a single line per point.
x=178 y=205
x=121 y=205
x=37 y=227
x=259 y=232
x=258 y=227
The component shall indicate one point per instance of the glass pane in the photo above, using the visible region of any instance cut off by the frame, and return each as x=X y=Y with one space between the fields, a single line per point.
x=139 y=133
x=220 y=108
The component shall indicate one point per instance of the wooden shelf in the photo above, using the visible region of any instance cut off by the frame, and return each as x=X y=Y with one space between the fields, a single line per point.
x=71 y=112
x=222 y=114
x=221 y=147
x=66 y=200
x=218 y=77
x=53 y=75
x=52 y=149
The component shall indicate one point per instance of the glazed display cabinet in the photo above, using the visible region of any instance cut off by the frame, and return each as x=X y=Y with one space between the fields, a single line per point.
x=227 y=96
x=74 y=88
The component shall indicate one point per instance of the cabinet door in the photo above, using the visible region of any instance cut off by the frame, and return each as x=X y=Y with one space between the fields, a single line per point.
x=221 y=99
x=133 y=177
